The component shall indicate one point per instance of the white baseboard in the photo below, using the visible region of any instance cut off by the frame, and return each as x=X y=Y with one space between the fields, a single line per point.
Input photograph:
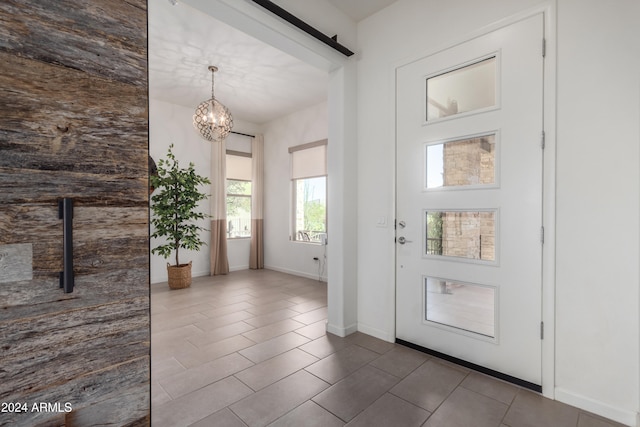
x=342 y=331
x=377 y=333
x=160 y=280
x=623 y=416
x=200 y=273
x=295 y=273
x=165 y=278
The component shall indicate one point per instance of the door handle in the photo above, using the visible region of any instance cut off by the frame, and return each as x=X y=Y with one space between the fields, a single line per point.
x=402 y=240
x=65 y=213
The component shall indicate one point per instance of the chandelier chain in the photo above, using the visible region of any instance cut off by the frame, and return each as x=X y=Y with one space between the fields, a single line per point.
x=212 y=83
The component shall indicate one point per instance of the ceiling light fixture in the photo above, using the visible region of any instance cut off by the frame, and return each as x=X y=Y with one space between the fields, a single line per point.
x=212 y=120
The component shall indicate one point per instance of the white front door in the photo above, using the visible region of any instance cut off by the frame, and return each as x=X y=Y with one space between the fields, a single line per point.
x=469 y=201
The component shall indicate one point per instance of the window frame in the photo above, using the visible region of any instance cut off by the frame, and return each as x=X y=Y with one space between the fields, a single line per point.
x=294 y=232
x=227 y=194
x=294 y=201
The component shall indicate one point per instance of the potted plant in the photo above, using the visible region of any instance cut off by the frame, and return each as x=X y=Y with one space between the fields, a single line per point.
x=175 y=212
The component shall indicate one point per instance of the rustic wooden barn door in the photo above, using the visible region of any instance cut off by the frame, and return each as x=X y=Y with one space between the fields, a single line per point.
x=73 y=124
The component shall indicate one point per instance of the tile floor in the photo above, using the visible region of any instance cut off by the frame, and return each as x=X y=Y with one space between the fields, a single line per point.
x=250 y=349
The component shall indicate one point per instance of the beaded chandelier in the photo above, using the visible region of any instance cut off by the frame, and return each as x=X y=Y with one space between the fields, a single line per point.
x=212 y=120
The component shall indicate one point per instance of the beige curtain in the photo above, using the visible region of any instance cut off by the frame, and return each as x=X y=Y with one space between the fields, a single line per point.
x=256 y=254
x=218 y=245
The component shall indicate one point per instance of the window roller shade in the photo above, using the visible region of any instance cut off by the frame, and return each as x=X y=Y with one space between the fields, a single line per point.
x=238 y=167
x=309 y=162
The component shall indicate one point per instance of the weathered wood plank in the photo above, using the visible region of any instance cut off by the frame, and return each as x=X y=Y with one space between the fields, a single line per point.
x=37 y=95
x=108 y=266
x=24 y=300
x=54 y=420
x=65 y=324
x=74 y=150
x=98 y=222
x=115 y=411
x=63 y=346
x=101 y=38
x=89 y=389
x=49 y=120
x=24 y=186
x=106 y=255
x=29 y=222
x=100 y=235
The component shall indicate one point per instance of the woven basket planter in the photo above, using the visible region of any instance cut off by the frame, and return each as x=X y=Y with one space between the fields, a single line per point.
x=179 y=275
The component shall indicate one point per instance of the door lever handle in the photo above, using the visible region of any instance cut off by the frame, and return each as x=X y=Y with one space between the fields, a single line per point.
x=65 y=213
x=402 y=240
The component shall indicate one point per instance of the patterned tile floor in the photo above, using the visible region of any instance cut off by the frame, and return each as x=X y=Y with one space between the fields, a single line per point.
x=250 y=349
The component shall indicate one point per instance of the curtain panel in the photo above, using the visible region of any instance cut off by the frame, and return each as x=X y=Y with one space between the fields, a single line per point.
x=218 y=201
x=256 y=253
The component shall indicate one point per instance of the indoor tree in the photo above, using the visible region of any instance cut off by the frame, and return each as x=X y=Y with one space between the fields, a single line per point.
x=175 y=207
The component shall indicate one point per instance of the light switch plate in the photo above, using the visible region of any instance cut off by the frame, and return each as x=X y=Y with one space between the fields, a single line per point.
x=382 y=221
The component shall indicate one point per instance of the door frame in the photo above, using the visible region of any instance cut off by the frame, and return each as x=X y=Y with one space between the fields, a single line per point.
x=341 y=153
x=548 y=10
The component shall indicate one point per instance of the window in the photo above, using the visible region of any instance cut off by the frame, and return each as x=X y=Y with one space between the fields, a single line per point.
x=462 y=234
x=309 y=191
x=467 y=306
x=238 y=195
x=462 y=90
x=469 y=161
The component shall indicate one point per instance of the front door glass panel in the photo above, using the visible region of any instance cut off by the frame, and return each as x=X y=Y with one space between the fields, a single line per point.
x=462 y=162
x=465 y=89
x=461 y=234
x=464 y=306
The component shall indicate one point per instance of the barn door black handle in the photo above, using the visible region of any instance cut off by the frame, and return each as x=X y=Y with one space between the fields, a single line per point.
x=65 y=213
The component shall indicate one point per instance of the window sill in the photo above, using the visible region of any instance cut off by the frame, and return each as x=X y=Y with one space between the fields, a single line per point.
x=307 y=242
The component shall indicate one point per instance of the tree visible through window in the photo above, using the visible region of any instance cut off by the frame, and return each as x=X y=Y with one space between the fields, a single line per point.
x=309 y=191
x=434 y=233
x=238 y=195
x=238 y=208
x=310 y=200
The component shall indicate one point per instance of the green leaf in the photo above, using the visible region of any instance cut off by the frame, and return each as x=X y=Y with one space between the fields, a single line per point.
x=175 y=205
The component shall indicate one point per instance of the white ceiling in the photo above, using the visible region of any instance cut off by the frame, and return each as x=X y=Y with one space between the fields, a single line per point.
x=360 y=9
x=258 y=83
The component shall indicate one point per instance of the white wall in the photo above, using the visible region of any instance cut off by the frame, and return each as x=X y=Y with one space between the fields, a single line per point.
x=597 y=203
x=280 y=253
x=171 y=123
x=598 y=181
x=342 y=155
